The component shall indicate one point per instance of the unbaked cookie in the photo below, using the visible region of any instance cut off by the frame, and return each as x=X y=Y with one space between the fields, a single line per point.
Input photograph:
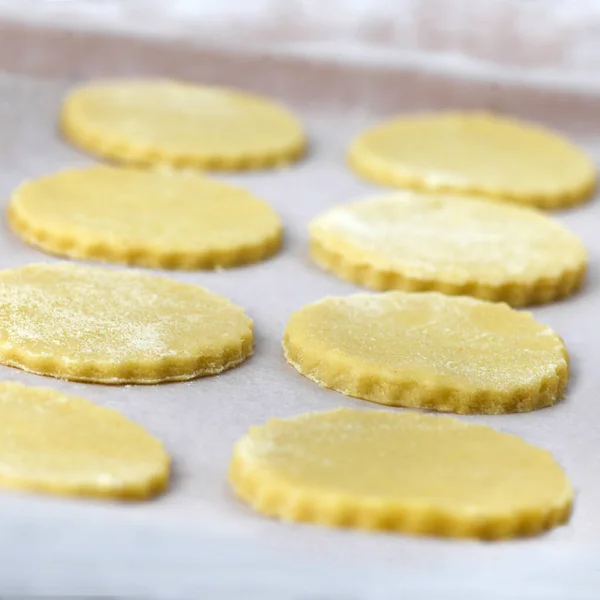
x=182 y=124
x=428 y=350
x=407 y=472
x=60 y=444
x=116 y=326
x=151 y=219
x=476 y=153
x=457 y=245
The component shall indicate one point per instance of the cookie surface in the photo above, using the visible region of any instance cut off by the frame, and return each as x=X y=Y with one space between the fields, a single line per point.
x=475 y=153
x=61 y=444
x=182 y=124
x=151 y=219
x=428 y=350
x=116 y=326
x=453 y=244
x=407 y=472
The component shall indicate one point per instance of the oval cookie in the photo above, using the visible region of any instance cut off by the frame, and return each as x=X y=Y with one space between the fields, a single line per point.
x=60 y=444
x=453 y=244
x=144 y=218
x=181 y=124
x=428 y=350
x=414 y=473
x=106 y=326
x=475 y=153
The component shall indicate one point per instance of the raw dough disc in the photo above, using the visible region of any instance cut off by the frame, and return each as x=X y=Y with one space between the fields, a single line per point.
x=60 y=444
x=182 y=124
x=151 y=219
x=476 y=153
x=457 y=245
x=106 y=326
x=428 y=350
x=407 y=472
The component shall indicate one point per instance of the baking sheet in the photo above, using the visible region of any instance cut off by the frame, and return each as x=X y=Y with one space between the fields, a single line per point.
x=197 y=540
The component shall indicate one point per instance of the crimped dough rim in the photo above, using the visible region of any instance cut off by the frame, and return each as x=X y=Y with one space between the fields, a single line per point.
x=541 y=290
x=77 y=245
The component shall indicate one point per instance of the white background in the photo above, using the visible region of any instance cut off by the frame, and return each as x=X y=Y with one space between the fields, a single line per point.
x=561 y=36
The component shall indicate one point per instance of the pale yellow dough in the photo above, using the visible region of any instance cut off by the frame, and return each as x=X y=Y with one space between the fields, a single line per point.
x=182 y=124
x=454 y=244
x=60 y=444
x=428 y=350
x=116 y=326
x=151 y=219
x=419 y=474
x=475 y=153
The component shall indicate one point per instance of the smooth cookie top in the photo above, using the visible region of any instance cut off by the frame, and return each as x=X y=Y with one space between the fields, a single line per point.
x=429 y=350
x=455 y=244
x=61 y=444
x=475 y=153
x=116 y=326
x=400 y=471
x=153 y=219
x=182 y=124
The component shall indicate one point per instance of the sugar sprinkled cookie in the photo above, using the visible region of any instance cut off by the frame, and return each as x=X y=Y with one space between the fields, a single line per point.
x=60 y=444
x=429 y=350
x=407 y=472
x=461 y=245
x=151 y=121
x=153 y=219
x=476 y=153
x=116 y=326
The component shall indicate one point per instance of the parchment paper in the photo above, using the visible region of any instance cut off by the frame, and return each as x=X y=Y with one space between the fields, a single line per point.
x=197 y=540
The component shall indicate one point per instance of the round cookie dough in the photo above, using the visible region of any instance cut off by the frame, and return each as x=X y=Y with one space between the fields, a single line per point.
x=457 y=245
x=181 y=124
x=475 y=153
x=116 y=326
x=151 y=219
x=428 y=350
x=60 y=444
x=419 y=474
